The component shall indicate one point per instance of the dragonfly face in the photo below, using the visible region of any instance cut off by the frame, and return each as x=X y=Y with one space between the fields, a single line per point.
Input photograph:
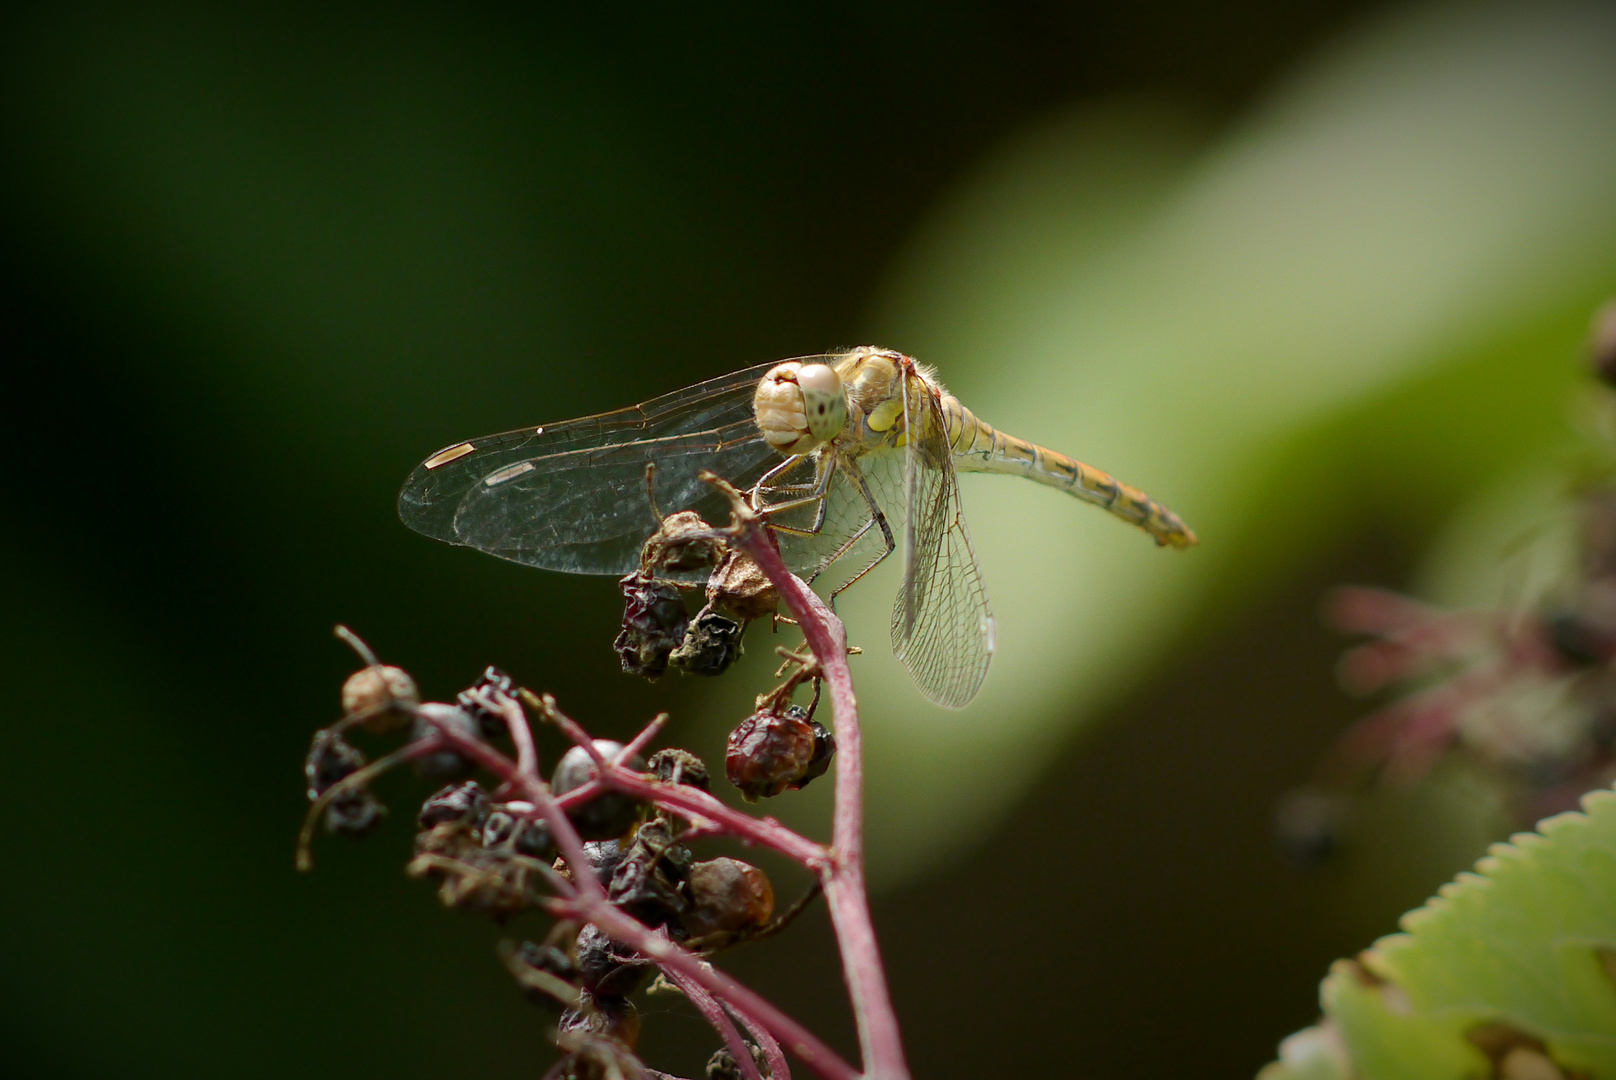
x=800 y=407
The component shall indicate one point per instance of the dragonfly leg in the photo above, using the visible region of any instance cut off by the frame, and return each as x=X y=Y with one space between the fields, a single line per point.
x=876 y=518
x=814 y=494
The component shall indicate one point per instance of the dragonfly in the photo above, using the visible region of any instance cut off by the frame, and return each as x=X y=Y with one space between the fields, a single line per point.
x=850 y=456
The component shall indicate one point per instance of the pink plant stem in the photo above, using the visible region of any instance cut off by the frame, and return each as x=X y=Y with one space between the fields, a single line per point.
x=880 y=1042
x=778 y=1068
x=716 y=1016
x=592 y=905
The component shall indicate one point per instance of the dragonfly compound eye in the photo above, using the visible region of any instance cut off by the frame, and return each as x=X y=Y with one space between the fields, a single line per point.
x=800 y=407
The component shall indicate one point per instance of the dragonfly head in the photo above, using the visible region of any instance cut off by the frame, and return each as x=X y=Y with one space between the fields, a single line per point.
x=800 y=407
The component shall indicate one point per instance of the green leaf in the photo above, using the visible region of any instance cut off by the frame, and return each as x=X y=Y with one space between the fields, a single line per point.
x=1519 y=954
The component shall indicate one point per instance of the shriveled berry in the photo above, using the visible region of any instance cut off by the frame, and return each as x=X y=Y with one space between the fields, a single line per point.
x=677 y=766
x=711 y=644
x=466 y=802
x=646 y=883
x=443 y=764
x=611 y=813
x=354 y=813
x=605 y=969
x=739 y=587
x=384 y=692
x=683 y=541
x=530 y=836
x=494 y=684
x=768 y=753
x=604 y=857
x=331 y=758
x=608 y=1017
x=726 y=896
x=654 y=622
x=824 y=751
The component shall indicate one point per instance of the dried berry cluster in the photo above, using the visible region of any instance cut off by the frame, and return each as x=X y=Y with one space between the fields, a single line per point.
x=1527 y=693
x=658 y=632
x=607 y=846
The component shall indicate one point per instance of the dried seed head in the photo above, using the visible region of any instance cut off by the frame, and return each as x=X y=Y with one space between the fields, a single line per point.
x=710 y=646
x=683 y=541
x=384 y=692
x=727 y=896
x=465 y=802
x=770 y=752
x=654 y=622
x=677 y=766
x=739 y=587
x=443 y=764
x=1602 y=343
x=611 y=813
x=494 y=684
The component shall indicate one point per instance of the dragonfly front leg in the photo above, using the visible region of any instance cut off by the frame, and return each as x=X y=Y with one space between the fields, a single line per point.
x=814 y=493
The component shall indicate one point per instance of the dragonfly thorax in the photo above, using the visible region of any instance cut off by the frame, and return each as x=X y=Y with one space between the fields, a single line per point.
x=800 y=407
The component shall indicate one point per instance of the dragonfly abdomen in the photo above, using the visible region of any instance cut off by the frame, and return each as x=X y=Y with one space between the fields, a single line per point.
x=980 y=447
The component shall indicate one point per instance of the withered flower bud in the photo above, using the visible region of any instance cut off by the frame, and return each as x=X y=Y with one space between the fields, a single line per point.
x=611 y=813
x=1602 y=343
x=465 y=802
x=654 y=623
x=710 y=646
x=494 y=684
x=739 y=587
x=683 y=541
x=770 y=752
x=381 y=690
x=677 y=766
x=726 y=896
x=443 y=764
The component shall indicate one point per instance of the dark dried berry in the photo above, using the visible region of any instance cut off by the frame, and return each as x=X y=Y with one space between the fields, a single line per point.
x=676 y=766
x=466 y=802
x=824 y=751
x=354 y=813
x=726 y=896
x=611 y=813
x=605 y=969
x=604 y=857
x=609 y=1017
x=383 y=692
x=331 y=758
x=443 y=764
x=646 y=883
x=496 y=685
x=654 y=622
x=710 y=646
x=531 y=963
x=769 y=753
x=530 y=836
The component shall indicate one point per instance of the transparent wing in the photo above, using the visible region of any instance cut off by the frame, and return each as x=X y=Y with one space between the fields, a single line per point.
x=942 y=625
x=572 y=496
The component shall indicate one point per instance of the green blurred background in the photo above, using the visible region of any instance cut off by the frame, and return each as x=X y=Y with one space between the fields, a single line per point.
x=1316 y=275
